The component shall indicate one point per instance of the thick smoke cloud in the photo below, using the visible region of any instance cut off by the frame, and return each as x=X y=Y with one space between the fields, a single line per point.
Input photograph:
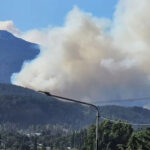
x=92 y=58
x=10 y=27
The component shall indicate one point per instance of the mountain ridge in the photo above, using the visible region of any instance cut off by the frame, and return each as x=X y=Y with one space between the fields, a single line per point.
x=26 y=107
x=14 y=52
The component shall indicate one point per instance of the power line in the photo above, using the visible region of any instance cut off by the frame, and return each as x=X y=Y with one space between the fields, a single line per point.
x=124 y=100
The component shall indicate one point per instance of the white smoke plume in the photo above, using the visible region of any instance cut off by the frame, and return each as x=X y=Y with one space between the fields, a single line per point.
x=92 y=58
x=10 y=27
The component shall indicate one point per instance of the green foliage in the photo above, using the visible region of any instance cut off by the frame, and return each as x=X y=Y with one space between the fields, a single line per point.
x=90 y=139
x=25 y=111
x=118 y=136
x=77 y=139
x=140 y=140
x=111 y=135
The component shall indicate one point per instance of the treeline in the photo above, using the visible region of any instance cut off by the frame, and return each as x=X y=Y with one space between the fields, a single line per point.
x=37 y=137
x=112 y=136
x=118 y=136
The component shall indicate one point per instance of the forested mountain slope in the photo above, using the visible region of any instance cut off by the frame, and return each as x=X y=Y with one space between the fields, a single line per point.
x=26 y=107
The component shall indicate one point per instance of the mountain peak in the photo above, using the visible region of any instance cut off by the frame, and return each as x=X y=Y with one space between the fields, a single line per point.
x=13 y=52
x=5 y=35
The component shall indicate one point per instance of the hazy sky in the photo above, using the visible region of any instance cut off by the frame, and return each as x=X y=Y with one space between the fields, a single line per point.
x=29 y=14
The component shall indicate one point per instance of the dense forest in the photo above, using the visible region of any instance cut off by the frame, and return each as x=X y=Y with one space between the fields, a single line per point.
x=118 y=136
x=33 y=121
x=112 y=136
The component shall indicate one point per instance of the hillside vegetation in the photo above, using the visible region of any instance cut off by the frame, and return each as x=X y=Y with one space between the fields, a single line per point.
x=26 y=107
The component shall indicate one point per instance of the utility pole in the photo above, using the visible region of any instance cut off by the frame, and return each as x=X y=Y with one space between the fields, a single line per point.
x=81 y=102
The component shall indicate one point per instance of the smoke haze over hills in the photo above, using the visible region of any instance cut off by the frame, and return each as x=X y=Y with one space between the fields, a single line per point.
x=93 y=58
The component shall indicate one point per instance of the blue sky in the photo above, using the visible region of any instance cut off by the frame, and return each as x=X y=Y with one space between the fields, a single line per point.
x=29 y=14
